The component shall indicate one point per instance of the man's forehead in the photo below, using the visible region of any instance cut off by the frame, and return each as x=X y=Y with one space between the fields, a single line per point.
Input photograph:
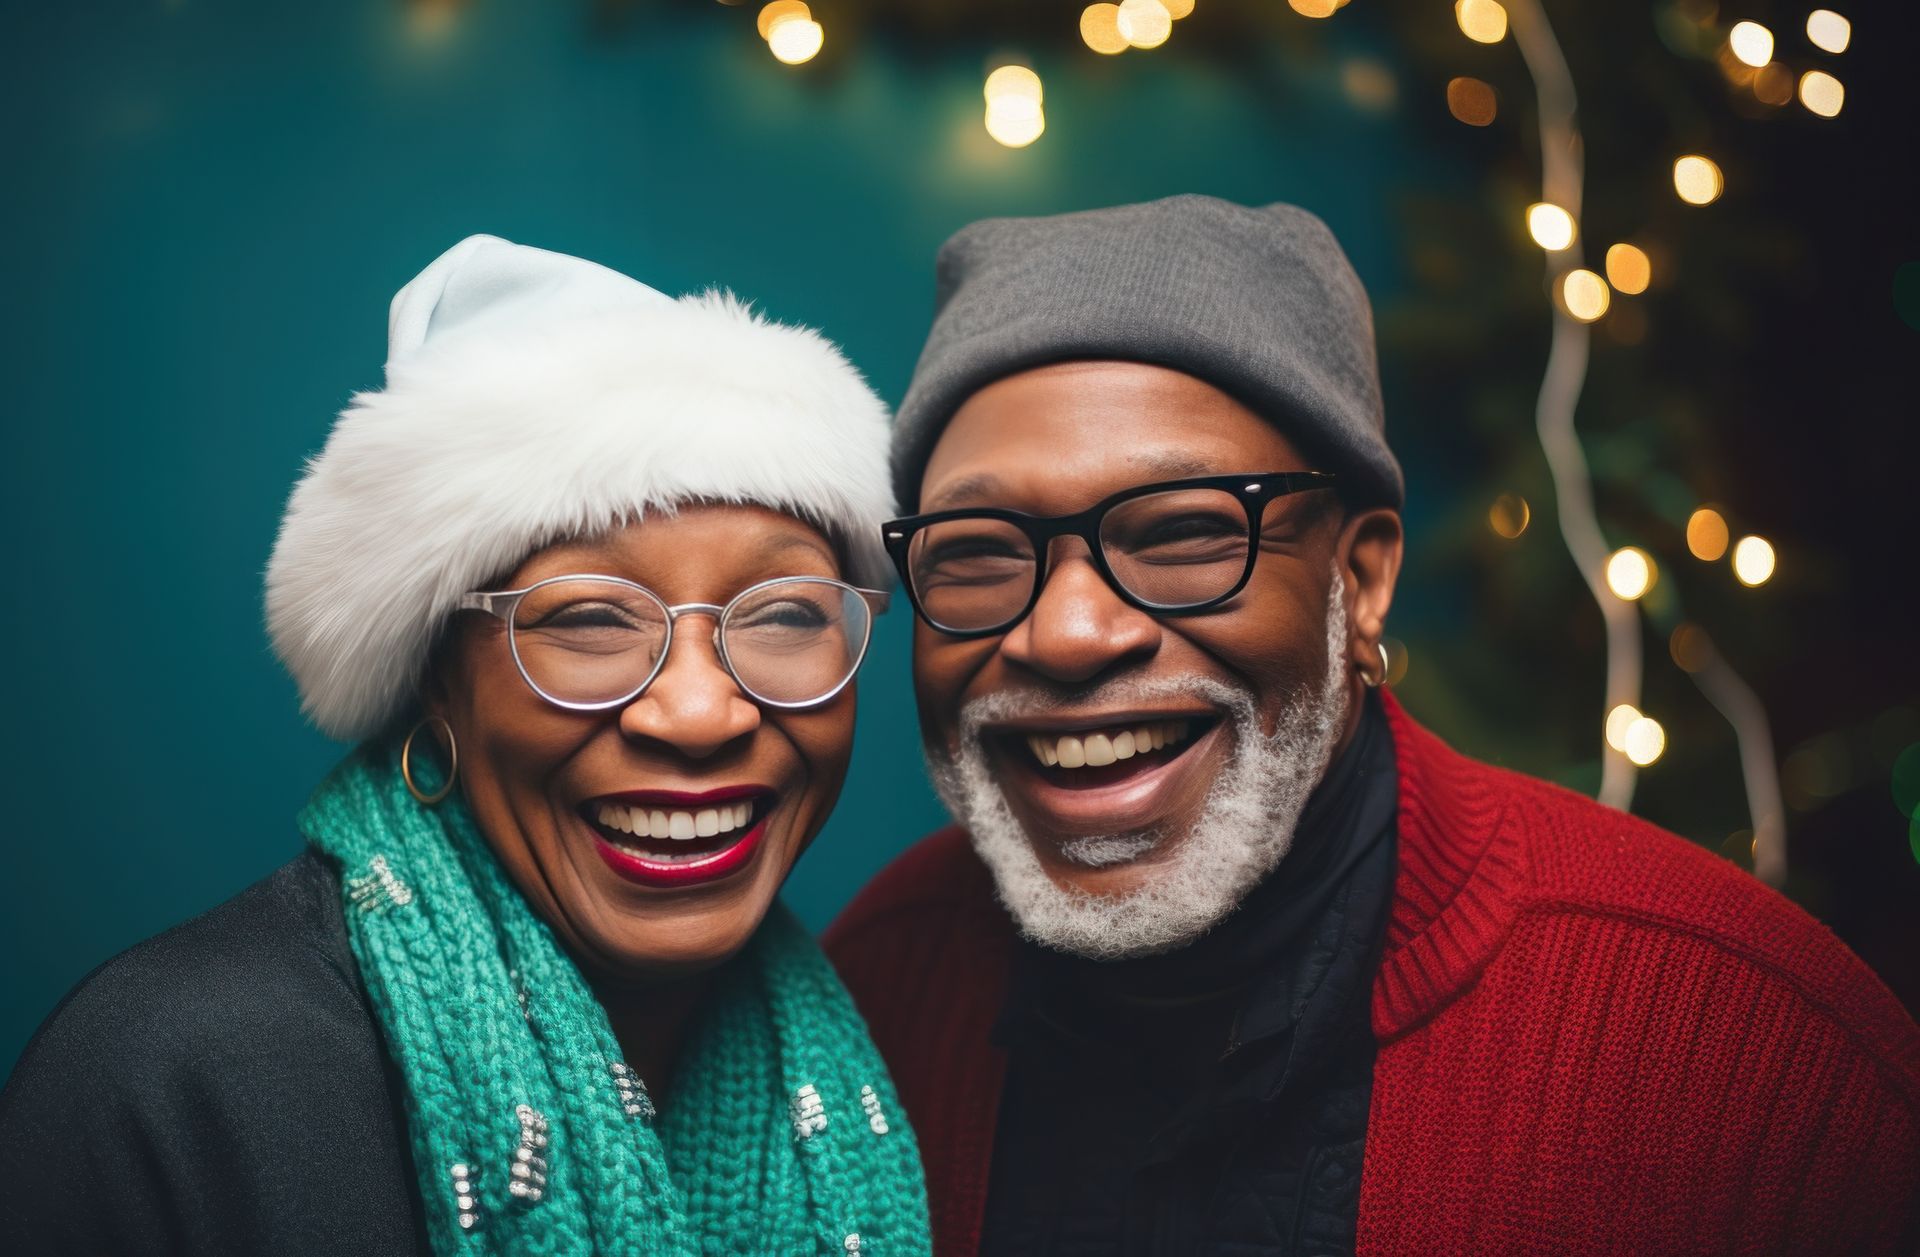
x=993 y=488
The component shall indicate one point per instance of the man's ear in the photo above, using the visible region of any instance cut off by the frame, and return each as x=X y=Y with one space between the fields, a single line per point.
x=1369 y=554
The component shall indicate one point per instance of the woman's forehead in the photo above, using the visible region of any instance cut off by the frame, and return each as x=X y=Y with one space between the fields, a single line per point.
x=709 y=550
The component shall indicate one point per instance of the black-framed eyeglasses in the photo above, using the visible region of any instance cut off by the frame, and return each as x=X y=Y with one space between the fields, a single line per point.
x=588 y=643
x=1172 y=548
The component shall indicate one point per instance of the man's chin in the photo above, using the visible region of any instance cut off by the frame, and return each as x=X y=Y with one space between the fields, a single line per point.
x=1109 y=867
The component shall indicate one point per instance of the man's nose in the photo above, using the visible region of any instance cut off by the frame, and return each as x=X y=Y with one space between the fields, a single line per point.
x=694 y=705
x=1079 y=627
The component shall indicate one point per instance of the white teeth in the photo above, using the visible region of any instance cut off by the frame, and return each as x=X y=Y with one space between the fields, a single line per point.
x=680 y=826
x=1096 y=750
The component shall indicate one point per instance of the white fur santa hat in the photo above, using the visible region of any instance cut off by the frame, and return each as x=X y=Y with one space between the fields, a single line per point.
x=533 y=397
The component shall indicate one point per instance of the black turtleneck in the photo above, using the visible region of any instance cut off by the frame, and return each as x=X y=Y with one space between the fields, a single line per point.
x=1211 y=1100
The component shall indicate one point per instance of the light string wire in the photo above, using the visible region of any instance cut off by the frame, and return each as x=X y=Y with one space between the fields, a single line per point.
x=1562 y=179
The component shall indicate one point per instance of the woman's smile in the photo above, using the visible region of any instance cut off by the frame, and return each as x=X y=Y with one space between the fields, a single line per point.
x=671 y=839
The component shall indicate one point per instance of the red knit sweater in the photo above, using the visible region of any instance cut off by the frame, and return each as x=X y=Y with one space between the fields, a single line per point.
x=1594 y=1037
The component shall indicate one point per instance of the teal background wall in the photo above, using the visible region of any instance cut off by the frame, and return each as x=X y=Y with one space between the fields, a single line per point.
x=208 y=207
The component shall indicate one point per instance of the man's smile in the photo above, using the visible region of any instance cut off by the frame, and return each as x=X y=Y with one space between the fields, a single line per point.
x=1106 y=773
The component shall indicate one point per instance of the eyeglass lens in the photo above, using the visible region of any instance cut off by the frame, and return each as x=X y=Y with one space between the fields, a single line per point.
x=1179 y=548
x=587 y=642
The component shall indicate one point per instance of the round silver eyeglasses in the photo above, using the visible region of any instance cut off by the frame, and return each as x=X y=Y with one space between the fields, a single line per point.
x=588 y=643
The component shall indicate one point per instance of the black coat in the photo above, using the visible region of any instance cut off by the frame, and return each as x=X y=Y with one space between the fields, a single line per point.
x=220 y=1089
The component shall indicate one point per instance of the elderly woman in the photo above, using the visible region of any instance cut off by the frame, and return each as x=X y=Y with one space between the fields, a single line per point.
x=588 y=583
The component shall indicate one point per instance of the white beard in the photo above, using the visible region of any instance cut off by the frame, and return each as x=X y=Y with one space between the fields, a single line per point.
x=1243 y=829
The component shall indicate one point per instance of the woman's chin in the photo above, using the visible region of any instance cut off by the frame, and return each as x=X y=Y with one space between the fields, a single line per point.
x=647 y=934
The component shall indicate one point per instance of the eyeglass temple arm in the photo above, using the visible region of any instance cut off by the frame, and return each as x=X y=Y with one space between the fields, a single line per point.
x=500 y=605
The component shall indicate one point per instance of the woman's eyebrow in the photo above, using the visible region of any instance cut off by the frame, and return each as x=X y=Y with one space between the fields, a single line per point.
x=784 y=542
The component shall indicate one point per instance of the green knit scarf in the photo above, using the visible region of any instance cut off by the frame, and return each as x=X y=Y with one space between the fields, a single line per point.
x=784 y=1135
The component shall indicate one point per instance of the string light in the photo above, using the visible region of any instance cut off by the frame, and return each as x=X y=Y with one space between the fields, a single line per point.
x=1821 y=93
x=1471 y=101
x=1550 y=226
x=1628 y=269
x=1584 y=294
x=1706 y=535
x=777 y=10
x=1482 y=21
x=1100 y=29
x=1014 y=114
x=1828 y=31
x=1697 y=179
x=1617 y=721
x=1644 y=741
x=1751 y=43
x=1145 y=23
x=796 y=39
x=1313 y=8
x=1753 y=561
x=1509 y=515
x=1631 y=573
x=1691 y=648
x=1773 y=85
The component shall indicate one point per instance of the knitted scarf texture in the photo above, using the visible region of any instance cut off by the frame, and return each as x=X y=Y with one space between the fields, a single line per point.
x=782 y=1135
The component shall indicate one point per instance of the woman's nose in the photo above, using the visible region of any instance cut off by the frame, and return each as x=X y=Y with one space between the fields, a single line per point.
x=694 y=705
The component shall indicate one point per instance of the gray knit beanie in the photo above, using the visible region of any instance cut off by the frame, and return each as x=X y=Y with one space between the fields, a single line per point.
x=1260 y=303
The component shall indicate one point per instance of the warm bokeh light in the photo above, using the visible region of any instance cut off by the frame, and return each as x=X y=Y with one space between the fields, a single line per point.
x=1011 y=83
x=1482 y=21
x=1617 y=721
x=1584 y=294
x=1773 y=85
x=1015 y=130
x=1707 y=535
x=1690 y=647
x=1628 y=269
x=1014 y=115
x=1630 y=572
x=1145 y=23
x=1828 y=31
x=777 y=10
x=1550 y=226
x=1821 y=93
x=1100 y=29
x=1697 y=180
x=1751 y=43
x=1644 y=741
x=1509 y=515
x=796 y=39
x=1753 y=561
x=1313 y=8
x=1471 y=101
x=1177 y=9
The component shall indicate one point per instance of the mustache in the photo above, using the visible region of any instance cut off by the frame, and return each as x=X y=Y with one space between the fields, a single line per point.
x=1032 y=699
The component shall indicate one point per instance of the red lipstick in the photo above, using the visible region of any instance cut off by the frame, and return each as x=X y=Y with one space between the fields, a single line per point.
x=629 y=856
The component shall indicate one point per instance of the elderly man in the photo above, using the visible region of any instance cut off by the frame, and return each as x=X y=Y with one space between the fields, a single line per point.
x=1227 y=954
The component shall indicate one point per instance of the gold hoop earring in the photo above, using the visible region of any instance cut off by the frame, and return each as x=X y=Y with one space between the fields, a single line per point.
x=1373 y=682
x=453 y=762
